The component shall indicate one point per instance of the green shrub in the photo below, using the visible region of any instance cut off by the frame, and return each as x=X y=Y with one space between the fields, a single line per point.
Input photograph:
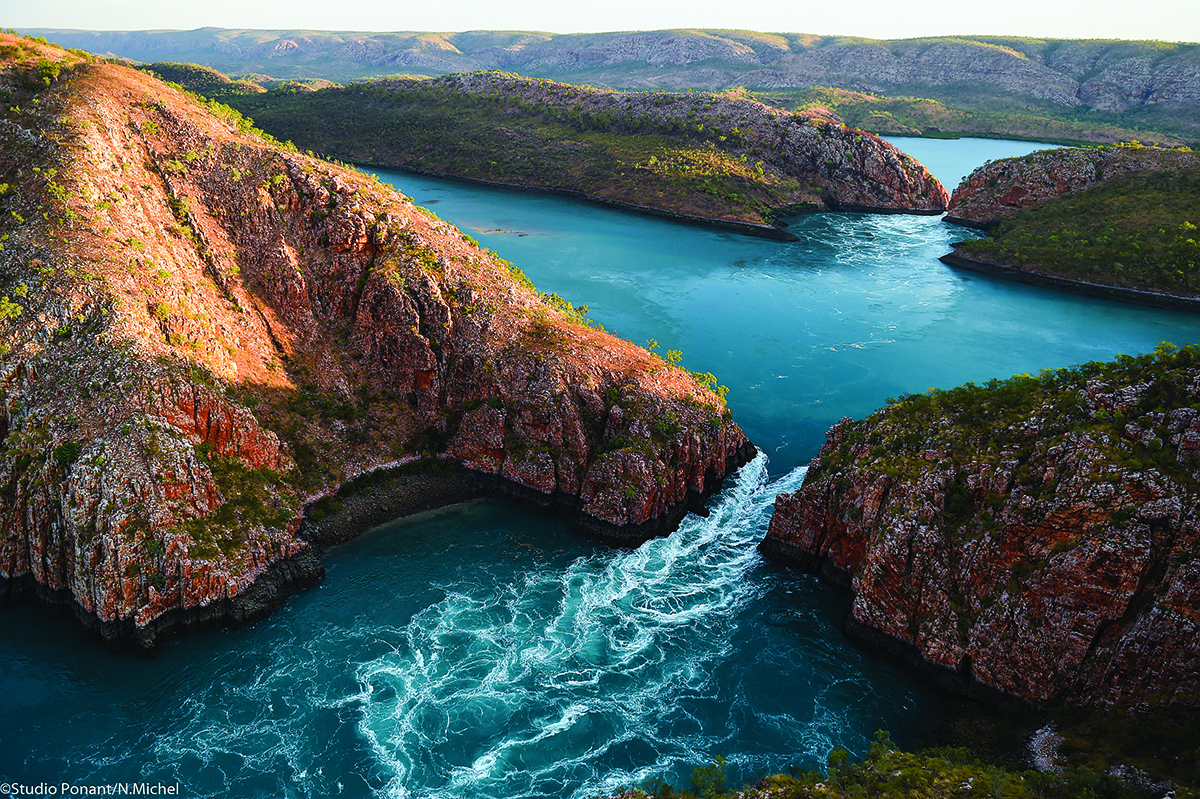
x=65 y=454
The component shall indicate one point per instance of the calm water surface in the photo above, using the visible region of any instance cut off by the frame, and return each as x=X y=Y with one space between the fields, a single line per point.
x=484 y=650
x=951 y=160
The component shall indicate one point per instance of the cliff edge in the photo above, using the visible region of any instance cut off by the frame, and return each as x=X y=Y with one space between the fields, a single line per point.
x=1036 y=537
x=202 y=332
x=999 y=190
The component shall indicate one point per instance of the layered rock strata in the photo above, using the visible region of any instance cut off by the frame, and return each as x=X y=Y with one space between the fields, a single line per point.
x=1037 y=537
x=204 y=332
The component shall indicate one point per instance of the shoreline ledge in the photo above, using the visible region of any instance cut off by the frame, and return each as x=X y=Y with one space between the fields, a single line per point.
x=957 y=681
x=762 y=231
x=1140 y=296
x=395 y=493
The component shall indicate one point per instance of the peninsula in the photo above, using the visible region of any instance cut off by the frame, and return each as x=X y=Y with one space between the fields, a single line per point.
x=1114 y=221
x=720 y=159
x=206 y=335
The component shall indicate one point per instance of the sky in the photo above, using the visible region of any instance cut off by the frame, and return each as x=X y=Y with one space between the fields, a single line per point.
x=1167 y=20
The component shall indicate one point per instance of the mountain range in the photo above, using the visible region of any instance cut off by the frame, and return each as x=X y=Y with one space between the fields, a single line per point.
x=1150 y=85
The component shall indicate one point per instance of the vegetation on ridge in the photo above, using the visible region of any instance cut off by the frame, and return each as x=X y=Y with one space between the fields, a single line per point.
x=720 y=157
x=951 y=118
x=1137 y=232
x=990 y=423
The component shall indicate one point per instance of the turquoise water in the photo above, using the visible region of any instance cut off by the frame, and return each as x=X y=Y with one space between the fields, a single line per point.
x=484 y=650
x=951 y=160
x=803 y=333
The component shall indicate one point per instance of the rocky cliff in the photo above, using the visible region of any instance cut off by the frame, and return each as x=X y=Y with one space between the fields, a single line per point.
x=1001 y=189
x=1118 y=222
x=722 y=158
x=202 y=332
x=1037 y=537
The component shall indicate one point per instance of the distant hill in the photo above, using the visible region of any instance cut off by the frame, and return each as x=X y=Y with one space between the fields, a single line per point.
x=1152 y=86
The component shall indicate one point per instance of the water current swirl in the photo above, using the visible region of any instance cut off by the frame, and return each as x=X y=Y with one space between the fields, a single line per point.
x=517 y=689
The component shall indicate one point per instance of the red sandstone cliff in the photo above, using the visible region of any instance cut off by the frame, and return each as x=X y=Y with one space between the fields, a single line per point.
x=1000 y=189
x=201 y=330
x=1037 y=537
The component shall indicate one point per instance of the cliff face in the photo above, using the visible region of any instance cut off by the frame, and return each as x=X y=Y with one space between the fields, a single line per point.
x=202 y=331
x=1037 y=537
x=1001 y=189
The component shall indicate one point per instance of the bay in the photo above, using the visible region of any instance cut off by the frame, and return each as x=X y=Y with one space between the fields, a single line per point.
x=486 y=651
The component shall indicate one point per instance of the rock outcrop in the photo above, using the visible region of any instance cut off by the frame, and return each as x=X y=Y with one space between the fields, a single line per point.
x=1037 y=537
x=1001 y=189
x=202 y=332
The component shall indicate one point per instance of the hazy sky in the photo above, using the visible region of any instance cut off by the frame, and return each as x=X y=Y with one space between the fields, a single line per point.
x=1169 y=20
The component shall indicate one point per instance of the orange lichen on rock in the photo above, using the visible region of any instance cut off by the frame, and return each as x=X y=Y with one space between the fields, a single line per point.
x=204 y=329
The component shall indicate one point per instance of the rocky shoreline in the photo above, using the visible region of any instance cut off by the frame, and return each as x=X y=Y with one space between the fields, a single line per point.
x=1151 y=298
x=772 y=232
x=407 y=493
x=265 y=595
x=959 y=680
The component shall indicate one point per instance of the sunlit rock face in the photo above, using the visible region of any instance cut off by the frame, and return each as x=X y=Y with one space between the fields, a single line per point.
x=203 y=332
x=1038 y=538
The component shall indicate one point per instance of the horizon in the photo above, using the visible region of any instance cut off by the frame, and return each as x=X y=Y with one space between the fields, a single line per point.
x=448 y=32
x=1168 y=21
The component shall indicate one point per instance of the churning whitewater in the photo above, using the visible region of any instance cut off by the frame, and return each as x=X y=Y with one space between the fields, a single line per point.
x=520 y=689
